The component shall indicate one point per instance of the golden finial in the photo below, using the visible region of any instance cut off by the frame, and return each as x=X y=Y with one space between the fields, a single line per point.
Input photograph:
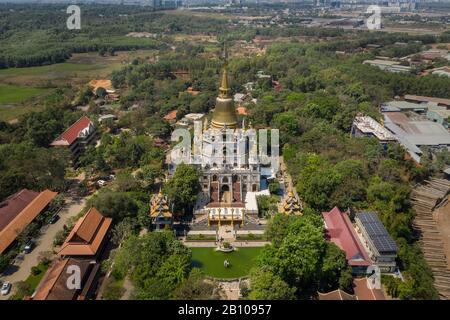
x=224 y=87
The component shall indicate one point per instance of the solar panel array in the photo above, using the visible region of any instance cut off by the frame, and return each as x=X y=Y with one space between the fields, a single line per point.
x=377 y=232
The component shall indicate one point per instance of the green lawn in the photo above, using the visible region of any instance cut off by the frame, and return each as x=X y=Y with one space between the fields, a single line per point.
x=34 y=280
x=211 y=261
x=31 y=282
x=54 y=68
x=12 y=97
x=16 y=94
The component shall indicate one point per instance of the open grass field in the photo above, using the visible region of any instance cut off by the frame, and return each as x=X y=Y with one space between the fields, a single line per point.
x=79 y=69
x=19 y=85
x=211 y=261
x=10 y=94
x=13 y=100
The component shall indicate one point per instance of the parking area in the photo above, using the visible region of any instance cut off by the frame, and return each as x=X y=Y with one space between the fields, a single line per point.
x=21 y=268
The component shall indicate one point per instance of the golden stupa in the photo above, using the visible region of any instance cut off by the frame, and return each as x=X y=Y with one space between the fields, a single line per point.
x=224 y=113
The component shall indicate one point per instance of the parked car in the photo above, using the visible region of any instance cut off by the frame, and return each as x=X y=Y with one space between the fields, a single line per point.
x=101 y=183
x=6 y=288
x=53 y=219
x=28 y=246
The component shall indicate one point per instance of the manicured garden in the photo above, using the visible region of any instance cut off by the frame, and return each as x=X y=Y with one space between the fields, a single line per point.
x=211 y=262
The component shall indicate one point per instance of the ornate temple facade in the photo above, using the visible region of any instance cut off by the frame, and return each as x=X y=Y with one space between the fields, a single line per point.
x=225 y=153
x=228 y=163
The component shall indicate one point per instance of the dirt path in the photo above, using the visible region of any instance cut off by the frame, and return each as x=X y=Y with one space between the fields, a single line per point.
x=20 y=272
x=128 y=286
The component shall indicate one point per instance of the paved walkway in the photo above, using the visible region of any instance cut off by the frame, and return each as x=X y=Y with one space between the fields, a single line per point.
x=212 y=244
x=226 y=233
x=21 y=272
x=230 y=289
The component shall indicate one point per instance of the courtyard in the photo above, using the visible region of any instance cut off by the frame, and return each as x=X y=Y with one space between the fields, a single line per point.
x=211 y=262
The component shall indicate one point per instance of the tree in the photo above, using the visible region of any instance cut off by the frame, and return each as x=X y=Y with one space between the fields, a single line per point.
x=267 y=205
x=334 y=268
x=4 y=261
x=267 y=286
x=121 y=232
x=152 y=171
x=182 y=190
x=157 y=263
x=197 y=287
x=45 y=257
x=85 y=95
x=114 y=204
x=26 y=166
x=301 y=257
x=297 y=260
x=101 y=92
x=22 y=289
x=277 y=228
x=125 y=181
x=274 y=187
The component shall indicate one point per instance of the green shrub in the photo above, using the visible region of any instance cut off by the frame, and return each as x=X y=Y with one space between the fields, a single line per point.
x=113 y=290
x=59 y=238
x=35 y=271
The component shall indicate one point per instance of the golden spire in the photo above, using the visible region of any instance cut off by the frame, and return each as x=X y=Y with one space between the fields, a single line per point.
x=224 y=115
x=224 y=87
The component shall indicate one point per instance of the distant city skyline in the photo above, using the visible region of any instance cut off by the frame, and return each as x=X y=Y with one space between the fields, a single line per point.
x=152 y=2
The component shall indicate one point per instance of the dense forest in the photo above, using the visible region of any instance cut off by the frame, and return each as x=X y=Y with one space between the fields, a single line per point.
x=37 y=35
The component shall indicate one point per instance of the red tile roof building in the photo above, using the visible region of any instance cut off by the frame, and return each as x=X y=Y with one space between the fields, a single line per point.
x=14 y=204
x=363 y=291
x=171 y=116
x=242 y=111
x=18 y=211
x=54 y=284
x=340 y=231
x=87 y=236
x=336 y=295
x=77 y=136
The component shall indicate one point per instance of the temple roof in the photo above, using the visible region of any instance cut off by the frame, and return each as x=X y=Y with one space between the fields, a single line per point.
x=87 y=236
x=160 y=206
x=291 y=204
